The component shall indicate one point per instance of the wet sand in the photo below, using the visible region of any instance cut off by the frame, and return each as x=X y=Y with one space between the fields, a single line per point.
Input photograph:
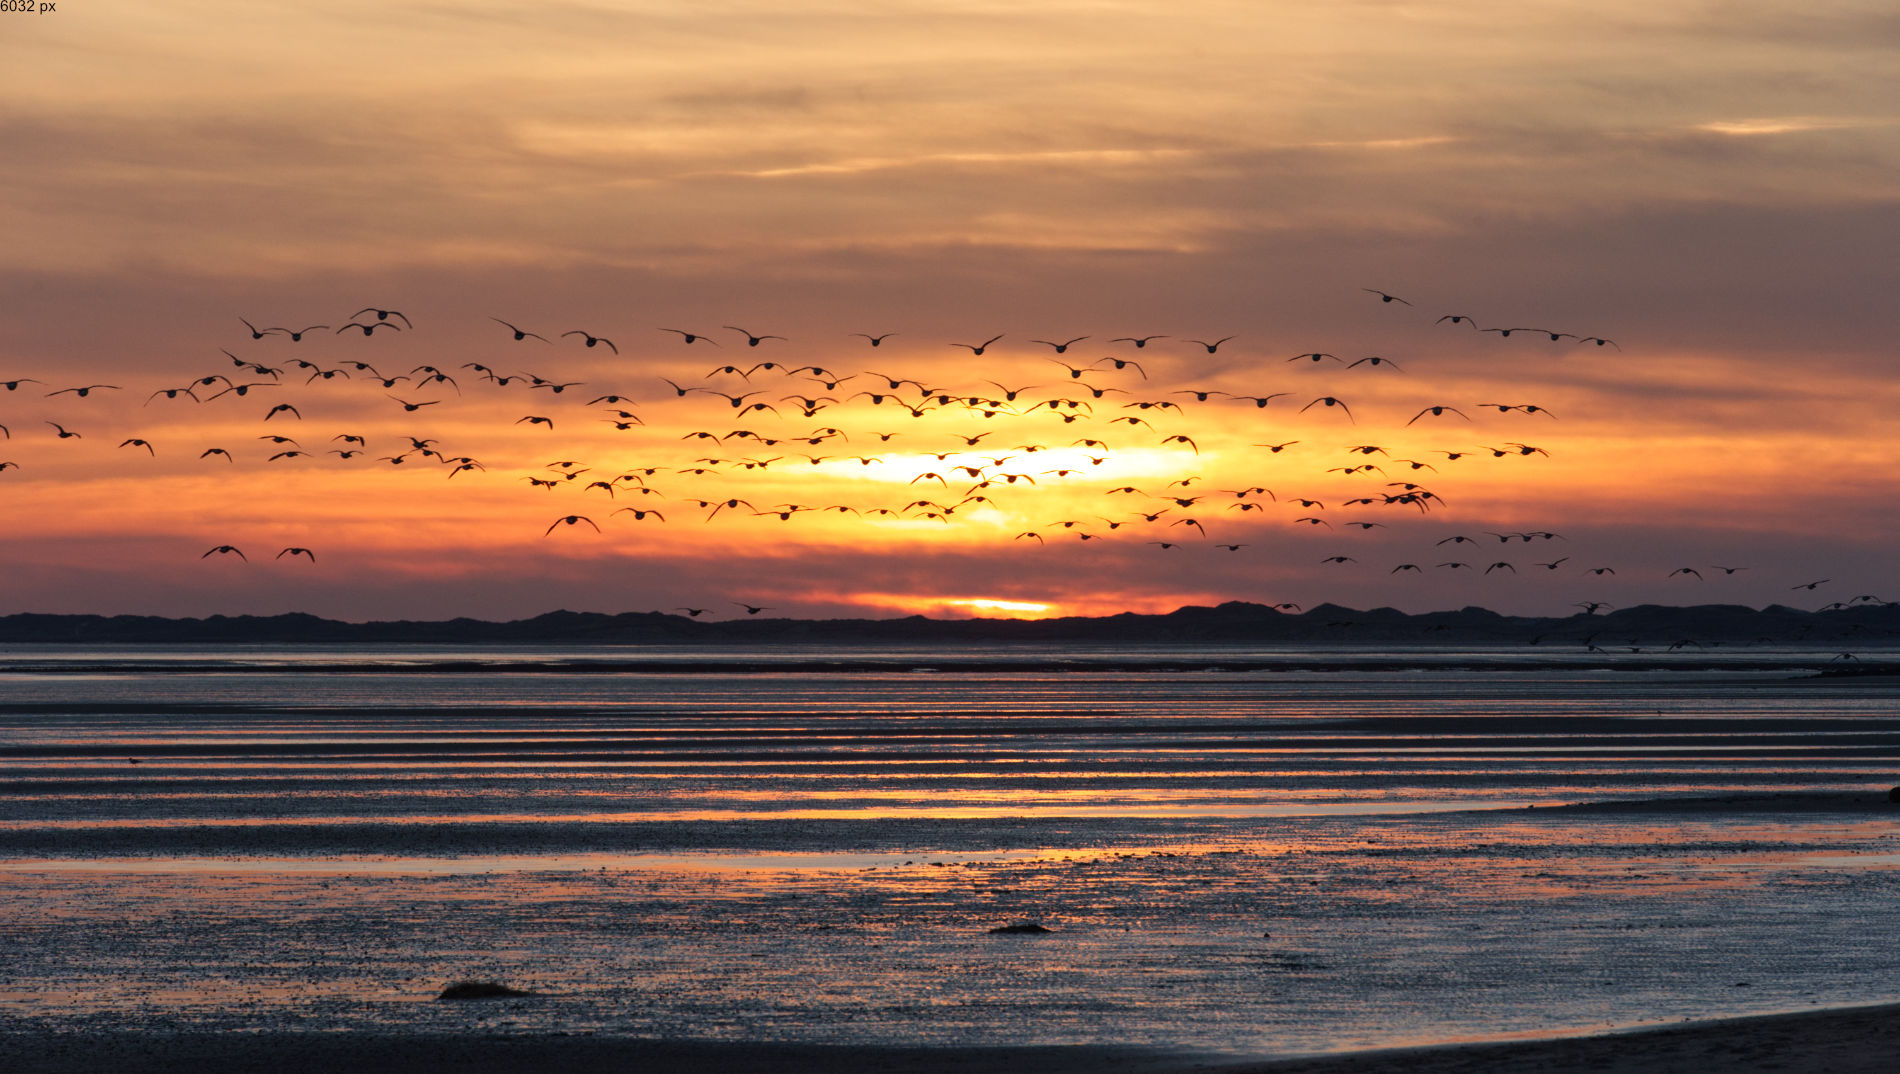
x=1841 y=1041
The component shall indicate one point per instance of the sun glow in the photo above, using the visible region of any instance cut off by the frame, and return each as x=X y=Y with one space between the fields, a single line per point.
x=986 y=604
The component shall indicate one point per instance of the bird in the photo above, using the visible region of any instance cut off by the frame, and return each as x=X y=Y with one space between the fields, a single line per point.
x=370 y=328
x=1383 y=297
x=1438 y=412
x=1138 y=341
x=520 y=333
x=750 y=609
x=1211 y=347
x=410 y=408
x=382 y=315
x=750 y=339
x=1457 y=318
x=283 y=408
x=1060 y=348
x=225 y=549
x=570 y=520
x=1375 y=360
x=135 y=442
x=83 y=392
x=1811 y=585
x=876 y=341
x=978 y=348
x=64 y=433
x=692 y=337
x=592 y=339
x=1330 y=401
x=1259 y=401
x=293 y=552
x=1120 y=363
x=534 y=419
x=1686 y=570
x=14 y=384
x=296 y=336
x=1316 y=356
x=1599 y=341
x=693 y=612
x=1276 y=448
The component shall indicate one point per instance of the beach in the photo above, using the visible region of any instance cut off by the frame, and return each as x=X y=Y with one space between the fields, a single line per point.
x=282 y=857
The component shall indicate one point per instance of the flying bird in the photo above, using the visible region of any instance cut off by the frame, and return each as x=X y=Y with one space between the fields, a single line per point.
x=1383 y=297
x=750 y=339
x=569 y=520
x=1330 y=401
x=382 y=315
x=1061 y=348
x=520 y=333
x=978 y=348
x=1439 y=412
x=592 y=339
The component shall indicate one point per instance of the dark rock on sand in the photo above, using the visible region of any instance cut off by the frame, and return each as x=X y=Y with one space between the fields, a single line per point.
x=480 y=990
x=1020 y=928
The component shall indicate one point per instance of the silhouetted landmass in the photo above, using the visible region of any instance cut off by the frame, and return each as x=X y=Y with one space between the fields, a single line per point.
x=1686 y=629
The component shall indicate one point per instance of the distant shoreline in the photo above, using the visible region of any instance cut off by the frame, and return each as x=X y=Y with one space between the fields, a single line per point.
x=1684 y=630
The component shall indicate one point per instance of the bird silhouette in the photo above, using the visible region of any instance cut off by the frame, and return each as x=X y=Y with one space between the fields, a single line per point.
x=1439 y=411
x=520 y=333
x=591 y=339
x=978 y=348
x=1331 y=402
x=750 y=339
x=1060 y=348
x=570 y=520
x=382 y=315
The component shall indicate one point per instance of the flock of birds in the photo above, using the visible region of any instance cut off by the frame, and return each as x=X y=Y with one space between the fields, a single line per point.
x=1062 y=419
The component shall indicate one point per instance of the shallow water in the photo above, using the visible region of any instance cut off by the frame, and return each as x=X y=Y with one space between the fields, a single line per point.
x=1277 y=857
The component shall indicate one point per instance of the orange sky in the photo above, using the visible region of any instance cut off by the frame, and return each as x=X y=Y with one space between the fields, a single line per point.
x=1711 y=186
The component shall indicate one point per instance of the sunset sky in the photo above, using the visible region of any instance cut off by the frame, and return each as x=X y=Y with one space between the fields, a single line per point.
x=1715 y=187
